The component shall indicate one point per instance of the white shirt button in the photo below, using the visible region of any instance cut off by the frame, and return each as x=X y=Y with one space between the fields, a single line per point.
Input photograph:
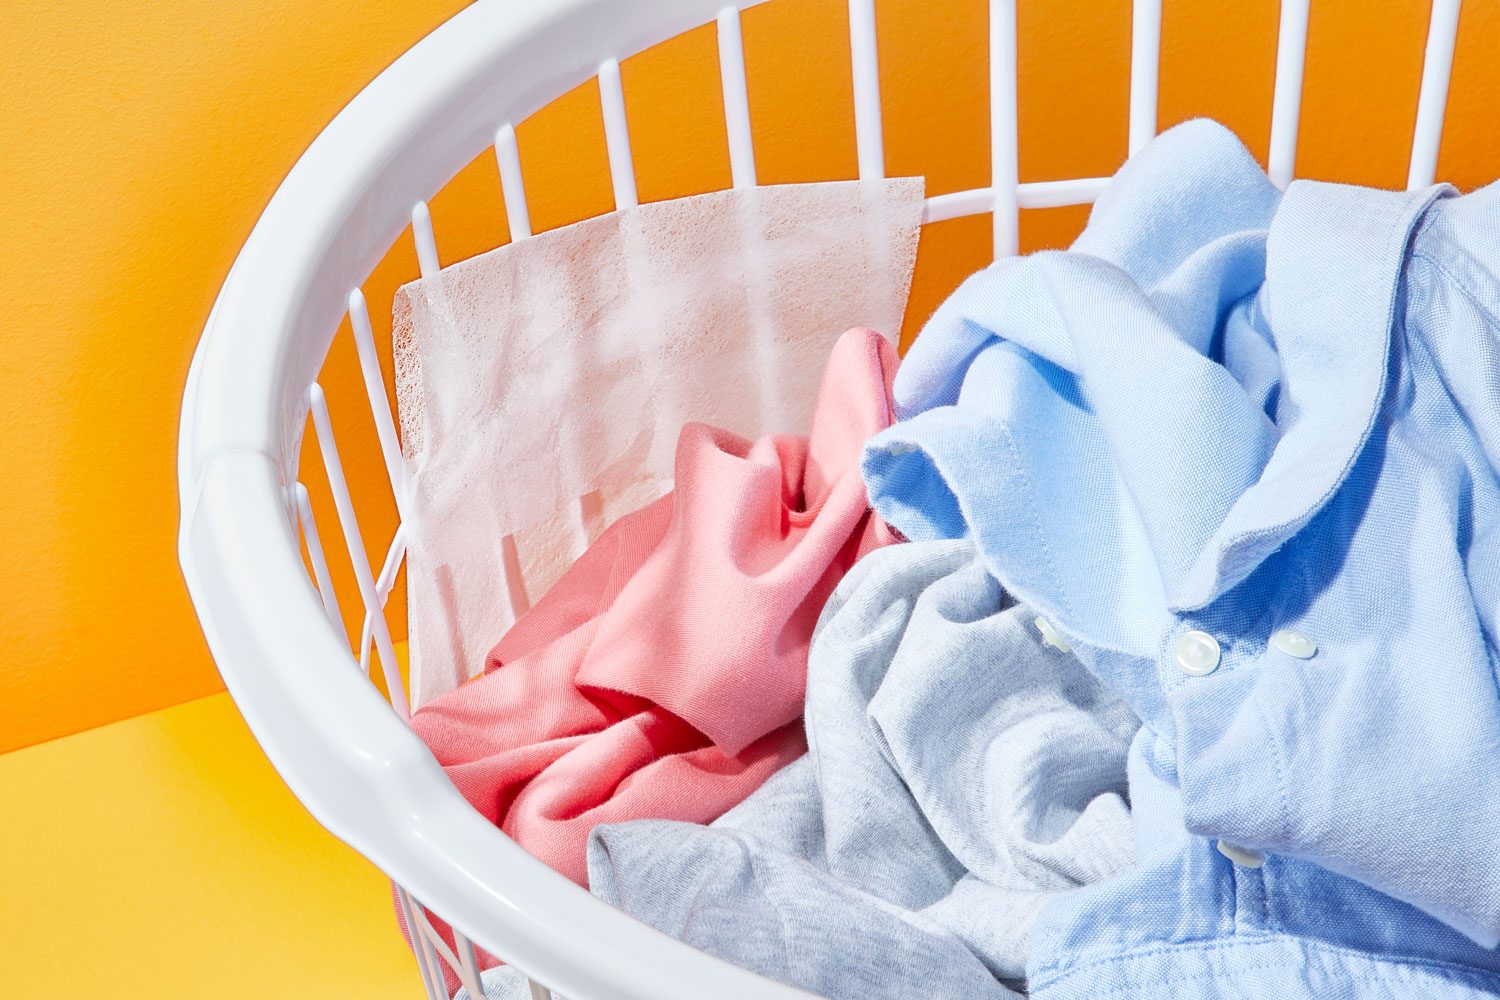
x=1196 y=653
x=1294 y=643
x=1242 y=856
x=1051 y=636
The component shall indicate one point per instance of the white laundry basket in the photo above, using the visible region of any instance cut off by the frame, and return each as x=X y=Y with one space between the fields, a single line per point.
x=278 y=639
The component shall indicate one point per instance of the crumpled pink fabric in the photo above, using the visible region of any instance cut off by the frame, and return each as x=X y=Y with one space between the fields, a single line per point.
x=663 y=675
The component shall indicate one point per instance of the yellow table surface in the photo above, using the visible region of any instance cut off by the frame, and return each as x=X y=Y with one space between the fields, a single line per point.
x=162 y=857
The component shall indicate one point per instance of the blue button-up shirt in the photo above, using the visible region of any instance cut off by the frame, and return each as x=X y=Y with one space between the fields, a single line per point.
x=1241 y=448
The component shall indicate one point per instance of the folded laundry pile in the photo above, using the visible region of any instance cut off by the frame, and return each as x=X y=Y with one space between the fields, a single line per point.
x=1183 y=679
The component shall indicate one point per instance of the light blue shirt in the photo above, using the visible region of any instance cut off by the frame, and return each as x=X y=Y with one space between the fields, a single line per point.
x=1240 y=448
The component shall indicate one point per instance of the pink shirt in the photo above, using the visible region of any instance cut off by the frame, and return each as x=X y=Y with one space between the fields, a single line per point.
x=663 y=675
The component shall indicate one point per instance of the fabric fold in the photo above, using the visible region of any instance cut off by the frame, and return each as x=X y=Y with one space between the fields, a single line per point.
x=758 y=535
x=960 y=775
x=1240 y=447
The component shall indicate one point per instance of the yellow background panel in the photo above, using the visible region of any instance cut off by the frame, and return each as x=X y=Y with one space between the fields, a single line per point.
x=162 y=857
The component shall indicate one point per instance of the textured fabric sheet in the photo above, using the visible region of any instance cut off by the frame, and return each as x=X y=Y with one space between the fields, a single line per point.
x=564 y=365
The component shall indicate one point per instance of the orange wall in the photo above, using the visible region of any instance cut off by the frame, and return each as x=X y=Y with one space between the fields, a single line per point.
x=142 y=138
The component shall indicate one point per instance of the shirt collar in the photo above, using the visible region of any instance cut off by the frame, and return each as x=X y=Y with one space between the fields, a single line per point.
x=1334 y=259
x=1113 y=385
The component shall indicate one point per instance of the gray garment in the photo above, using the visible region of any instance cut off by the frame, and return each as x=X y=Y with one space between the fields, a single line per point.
x=961 y=773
